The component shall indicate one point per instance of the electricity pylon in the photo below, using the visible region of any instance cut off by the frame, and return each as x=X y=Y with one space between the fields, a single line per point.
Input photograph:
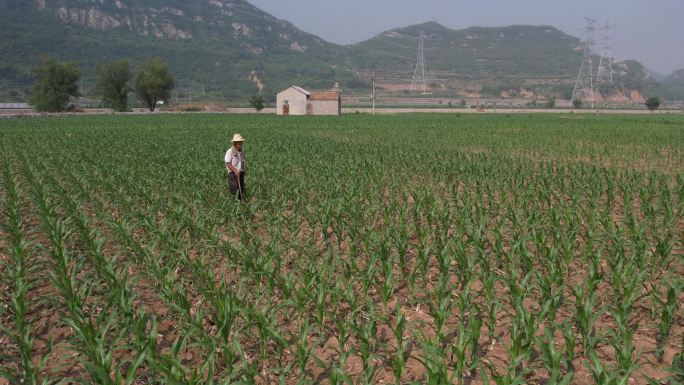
x=604 y=73
x=584 y=87
x=605 y=69
x=419 y=72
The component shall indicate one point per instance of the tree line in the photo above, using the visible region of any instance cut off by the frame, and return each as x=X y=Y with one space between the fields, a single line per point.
x=58 y=82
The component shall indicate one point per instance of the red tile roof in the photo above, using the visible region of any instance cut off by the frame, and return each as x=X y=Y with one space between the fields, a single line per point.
x=324 y=95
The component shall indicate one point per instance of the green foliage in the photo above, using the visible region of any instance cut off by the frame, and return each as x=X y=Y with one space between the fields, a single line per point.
x=214 y=56
x=496 y=89
x=257 y=102
x=56 y=84
x=652 y=103
x=551 y=103
x=675 y=82
x=112 y=84
x=472 y=51
x=667 y=309
x=508 y=248
x=222 y=58
x=577 y=103
x=153 y=83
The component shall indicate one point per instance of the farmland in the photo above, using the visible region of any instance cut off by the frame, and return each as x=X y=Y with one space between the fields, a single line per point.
x=390 y=249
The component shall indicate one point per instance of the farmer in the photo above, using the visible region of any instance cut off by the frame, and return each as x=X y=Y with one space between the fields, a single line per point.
x=235 y=165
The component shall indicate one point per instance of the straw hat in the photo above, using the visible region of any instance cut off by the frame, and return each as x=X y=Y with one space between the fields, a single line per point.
x=238 y=138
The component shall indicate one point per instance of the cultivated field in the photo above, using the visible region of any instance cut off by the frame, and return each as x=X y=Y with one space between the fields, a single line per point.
x=420 y=249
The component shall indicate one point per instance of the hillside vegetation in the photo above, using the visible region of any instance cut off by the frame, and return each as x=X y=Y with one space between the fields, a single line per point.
x=676 y=83
x=232 y=49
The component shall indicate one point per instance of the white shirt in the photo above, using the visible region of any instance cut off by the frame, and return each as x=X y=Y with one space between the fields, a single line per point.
x=235 y=158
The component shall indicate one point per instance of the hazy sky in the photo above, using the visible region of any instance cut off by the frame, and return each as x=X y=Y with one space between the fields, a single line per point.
x=651 y=31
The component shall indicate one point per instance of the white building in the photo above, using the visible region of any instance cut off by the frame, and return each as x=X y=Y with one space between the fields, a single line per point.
x=14 y=106
x=296 y=100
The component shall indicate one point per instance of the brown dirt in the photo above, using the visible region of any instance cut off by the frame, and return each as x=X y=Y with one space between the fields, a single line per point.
x=324 y=337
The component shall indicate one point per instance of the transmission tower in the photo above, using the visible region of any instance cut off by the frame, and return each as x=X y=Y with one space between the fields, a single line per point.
x=605 y=69
x=604 y=73
x=419 y=72
x=584 y=87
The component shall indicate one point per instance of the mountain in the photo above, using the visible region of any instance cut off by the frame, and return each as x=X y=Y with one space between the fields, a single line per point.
x=518 y=60
x=657 y=76
x=227 y=45
x=475 y=51
x=675 y=82
x=231 y=49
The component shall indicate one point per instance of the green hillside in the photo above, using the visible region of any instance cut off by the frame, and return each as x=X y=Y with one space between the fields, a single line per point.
x=231 y=49
x=476 y=51
x=541 y=59
x=212 y=43
x=675 y=82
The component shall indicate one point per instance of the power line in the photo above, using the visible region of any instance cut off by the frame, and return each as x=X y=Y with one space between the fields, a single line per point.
x=631 y=38
x=380 y=51
x=446 y=75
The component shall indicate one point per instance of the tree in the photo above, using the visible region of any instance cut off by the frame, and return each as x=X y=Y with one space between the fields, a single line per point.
x=652 y=103
x=112 y=84
x=551 y=102
x=257 y=102
x=577 y=103
x=153 y=83
x=57 y=82
x=15 y=96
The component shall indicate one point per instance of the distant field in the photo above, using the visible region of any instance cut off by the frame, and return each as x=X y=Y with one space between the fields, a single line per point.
x=421 y=248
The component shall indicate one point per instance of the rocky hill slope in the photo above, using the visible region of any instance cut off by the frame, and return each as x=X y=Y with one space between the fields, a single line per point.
x=226 y=45
x=231 y=49
x=517 y=60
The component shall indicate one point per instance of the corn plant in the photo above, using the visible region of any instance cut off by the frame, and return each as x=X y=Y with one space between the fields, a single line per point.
x=553 y=360
x=365 y=327
x=570 y=341
x=20 y=274
x=601 y=374
x=434 y=360
x=344 y=247
x=667 y=311
x=585 y=316
x=399 y=360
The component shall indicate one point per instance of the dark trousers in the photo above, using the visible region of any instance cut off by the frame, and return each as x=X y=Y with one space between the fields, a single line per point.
x=237 y=189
